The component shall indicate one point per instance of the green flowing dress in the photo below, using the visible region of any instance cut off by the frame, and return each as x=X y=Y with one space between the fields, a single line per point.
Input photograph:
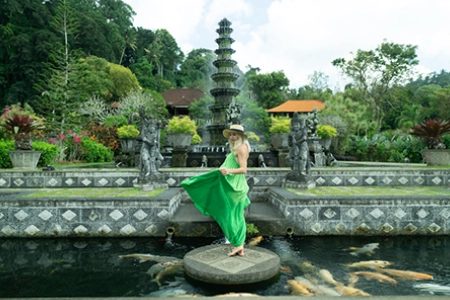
x=224 y=198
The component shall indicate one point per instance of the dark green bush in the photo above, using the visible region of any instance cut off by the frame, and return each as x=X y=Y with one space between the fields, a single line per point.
x=5 y=146
x=446 y=140
x=388 y=146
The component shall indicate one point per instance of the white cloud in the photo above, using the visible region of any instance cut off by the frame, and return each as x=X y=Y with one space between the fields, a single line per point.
x=303 y=36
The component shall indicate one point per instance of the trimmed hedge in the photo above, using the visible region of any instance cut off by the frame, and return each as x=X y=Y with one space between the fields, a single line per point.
x=48 y=154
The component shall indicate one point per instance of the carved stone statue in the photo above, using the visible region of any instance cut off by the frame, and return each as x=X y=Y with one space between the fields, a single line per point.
x=298 y=155
x=233 y=113
x=261 y=162
x=204 y=161
x=312 y=122
x=150 y=157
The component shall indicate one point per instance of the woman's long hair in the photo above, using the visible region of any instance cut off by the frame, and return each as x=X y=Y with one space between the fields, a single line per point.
x=241 y=140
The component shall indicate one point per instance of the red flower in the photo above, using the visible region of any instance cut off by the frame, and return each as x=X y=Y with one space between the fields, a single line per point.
x=77 y=139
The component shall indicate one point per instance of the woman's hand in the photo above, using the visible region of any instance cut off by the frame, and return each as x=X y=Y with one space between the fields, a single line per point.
x=224 y=171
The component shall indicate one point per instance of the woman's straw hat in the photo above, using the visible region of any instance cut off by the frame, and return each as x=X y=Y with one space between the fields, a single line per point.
x=235 y=128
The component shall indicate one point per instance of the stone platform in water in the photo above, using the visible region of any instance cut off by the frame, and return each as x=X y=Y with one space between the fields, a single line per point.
x=211 y=264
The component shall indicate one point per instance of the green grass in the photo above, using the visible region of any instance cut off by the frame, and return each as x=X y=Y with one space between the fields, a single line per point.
x=88 y=193
x=375 y=191
x=314 y=192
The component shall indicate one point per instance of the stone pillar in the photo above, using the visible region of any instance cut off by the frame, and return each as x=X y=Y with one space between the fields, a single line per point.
x=179 y=158
x=282 y=158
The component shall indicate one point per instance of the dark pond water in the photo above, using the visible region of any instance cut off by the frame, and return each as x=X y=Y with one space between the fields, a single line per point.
x=92 y=267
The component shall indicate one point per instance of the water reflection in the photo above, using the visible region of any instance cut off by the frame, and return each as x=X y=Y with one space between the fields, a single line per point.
x=92 y=267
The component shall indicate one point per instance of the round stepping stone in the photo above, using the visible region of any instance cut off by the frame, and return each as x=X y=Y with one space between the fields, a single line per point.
x=212 y=264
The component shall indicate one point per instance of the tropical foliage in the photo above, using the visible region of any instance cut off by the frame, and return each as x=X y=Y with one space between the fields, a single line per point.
x=78 y=62
x=20 y=124
x=431 y=132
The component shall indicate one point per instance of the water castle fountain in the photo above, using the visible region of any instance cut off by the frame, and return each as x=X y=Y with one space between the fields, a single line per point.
x=225 y=90
x=95 y=226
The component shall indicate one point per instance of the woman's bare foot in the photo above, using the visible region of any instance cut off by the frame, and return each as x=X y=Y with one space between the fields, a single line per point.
x=237 y=250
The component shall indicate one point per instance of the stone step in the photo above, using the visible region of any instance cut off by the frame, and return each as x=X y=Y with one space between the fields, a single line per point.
x=257 y=211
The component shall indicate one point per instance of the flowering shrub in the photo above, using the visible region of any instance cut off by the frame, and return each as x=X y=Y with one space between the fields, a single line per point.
x=80 y=146
x=105 y=135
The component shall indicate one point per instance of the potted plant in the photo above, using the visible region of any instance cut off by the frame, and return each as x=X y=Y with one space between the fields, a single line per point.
x=326 y=134
x=431 y=131
x=128 y=138
x=21 y=124
x=181 y=130
x=279 y=132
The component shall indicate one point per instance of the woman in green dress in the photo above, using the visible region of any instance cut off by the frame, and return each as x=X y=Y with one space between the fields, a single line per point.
x=222 y=194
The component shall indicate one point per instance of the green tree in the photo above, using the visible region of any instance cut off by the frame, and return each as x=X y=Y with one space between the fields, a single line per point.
x=170 y=55
x=91 y=78
x=26 y=40
x=119 y=18
x=124 y=82
x=130 y=43
x=355 y=115
x=268 y=89
x=153 y=103
x=144 y=73
x=442 y=79
x=196 y=69
x=254 y=117
x=426 y=97
x=154 y=54
x=58 y=97
x=374 y=72
x=199 y=110
x=443 y=102
x=144 y=38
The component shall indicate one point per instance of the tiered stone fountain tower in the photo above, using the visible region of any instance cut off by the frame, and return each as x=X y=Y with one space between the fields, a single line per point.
x=224 y=79
x=224 y=111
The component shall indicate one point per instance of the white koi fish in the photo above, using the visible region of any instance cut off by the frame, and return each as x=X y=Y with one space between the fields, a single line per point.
x=149 y=257
x=366 y=249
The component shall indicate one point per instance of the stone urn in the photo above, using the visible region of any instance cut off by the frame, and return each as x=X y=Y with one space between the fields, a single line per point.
x=325 y=142
x=436 y=157
x=130 y=145
x=24 y=159
x=181 y=140
x=280 y=140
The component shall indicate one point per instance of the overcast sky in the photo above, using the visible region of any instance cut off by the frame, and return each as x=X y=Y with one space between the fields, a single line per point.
x=299 y=37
